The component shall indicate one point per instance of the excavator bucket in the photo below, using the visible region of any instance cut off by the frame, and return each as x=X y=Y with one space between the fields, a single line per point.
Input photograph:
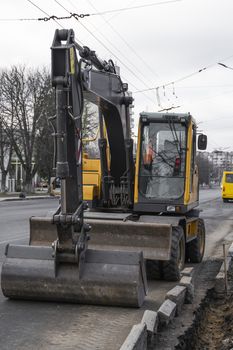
x=153 y=239
x=110 y=233
x=100 y=278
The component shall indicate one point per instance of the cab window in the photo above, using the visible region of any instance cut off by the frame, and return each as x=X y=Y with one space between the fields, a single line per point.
x=229 y=178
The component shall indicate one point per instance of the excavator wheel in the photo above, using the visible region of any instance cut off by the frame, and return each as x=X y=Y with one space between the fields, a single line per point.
x=153 y=269
x=196 y=248
x=171 y=269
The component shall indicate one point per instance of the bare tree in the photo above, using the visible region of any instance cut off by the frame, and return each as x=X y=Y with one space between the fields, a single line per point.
x=44 y=149
x=6 y=147
x=24 y=102
x=90 y=129
x=89 y=120
x=6 y=151
x=205 y=169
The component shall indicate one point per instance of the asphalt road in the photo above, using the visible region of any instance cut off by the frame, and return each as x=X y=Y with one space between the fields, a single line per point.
x=48 y=326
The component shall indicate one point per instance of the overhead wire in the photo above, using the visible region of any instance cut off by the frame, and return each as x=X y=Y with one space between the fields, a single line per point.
x=135 y=7
x=45 y=13
x=187 y=76
x=82 y=15
x=45 y=19
x=224 y=65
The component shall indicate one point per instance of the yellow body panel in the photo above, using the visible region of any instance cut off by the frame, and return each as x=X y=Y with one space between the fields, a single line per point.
x=137 y=165
x=188 y=166
x=91 y=179
x=227 y=187
x=90 y=192
x=72 y=60
x=191 y=228
x=90 y=165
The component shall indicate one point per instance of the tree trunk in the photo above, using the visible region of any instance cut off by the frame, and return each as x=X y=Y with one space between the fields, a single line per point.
x=3 y=184
x=28 y=182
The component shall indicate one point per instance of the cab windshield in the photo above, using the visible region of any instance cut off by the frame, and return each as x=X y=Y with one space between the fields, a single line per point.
x=162 y=161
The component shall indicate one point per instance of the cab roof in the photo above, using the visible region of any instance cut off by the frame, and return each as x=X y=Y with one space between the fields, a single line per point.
x=159 y=116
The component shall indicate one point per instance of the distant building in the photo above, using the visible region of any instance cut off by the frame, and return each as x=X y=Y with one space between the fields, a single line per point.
x=220 y=161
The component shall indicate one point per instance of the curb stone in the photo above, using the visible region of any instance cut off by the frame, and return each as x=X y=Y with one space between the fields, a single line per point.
x=186 y=281
x=230 y=251
x=177 y=295
x=220 y=287
x=151 y=320
x=188 y=271
x=137 y=338
x=166 y=312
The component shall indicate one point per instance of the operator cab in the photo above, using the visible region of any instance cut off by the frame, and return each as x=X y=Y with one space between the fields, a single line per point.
x=166 y=163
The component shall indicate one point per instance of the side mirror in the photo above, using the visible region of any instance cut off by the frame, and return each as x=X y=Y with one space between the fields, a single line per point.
x=202 y=142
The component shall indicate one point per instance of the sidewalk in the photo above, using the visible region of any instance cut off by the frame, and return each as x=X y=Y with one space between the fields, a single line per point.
x=15 y=197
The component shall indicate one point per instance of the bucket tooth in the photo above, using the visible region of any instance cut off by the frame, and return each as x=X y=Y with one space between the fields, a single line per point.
x=101 y=278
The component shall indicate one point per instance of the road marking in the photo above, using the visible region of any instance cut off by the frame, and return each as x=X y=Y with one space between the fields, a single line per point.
x=13 y=239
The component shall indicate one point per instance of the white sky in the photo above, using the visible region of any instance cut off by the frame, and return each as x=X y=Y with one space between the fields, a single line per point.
x=170 y=41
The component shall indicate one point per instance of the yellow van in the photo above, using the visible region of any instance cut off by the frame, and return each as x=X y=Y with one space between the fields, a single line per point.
x=227 y=186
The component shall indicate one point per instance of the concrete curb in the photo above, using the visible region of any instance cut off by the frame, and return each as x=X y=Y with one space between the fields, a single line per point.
x=152 y=320
x=177 y=295
x=186 y=281
x=220 y=287
x=137 y=338
x=166 y=312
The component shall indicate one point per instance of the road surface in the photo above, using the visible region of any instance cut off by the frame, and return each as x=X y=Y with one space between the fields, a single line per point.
x=37 y=325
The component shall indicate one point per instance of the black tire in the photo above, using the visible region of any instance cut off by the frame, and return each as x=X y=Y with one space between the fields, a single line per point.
x=225 y=200
x=153 y=269
x=196 y=248
x=171 y=269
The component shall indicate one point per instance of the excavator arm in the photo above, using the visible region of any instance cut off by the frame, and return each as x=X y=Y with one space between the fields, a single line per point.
x=97 y=81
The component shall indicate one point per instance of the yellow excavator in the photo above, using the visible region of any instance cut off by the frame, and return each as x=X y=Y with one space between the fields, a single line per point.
x=145 y=203
x=143 y=206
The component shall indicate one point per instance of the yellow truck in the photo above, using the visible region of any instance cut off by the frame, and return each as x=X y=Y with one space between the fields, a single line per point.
x=227 y=186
